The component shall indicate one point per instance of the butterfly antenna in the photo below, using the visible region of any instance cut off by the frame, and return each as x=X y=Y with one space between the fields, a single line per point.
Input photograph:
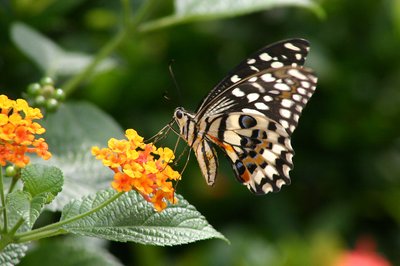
x=171 y=72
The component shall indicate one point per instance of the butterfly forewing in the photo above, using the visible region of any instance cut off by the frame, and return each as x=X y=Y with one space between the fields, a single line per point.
x=279 y=94
x=251 y=115
x=290 y=52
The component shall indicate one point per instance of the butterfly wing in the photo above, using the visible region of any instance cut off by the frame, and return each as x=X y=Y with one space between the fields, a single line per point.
x=252 y=122
x=207 y=159
x=251 y=115
x=291 y=52
x=258 y=148
x=279 y=94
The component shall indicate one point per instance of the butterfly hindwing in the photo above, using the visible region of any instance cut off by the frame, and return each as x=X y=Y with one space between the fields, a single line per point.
x=208 y=161
x=258 y=148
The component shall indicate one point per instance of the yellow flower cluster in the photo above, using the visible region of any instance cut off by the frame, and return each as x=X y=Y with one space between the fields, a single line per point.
x=141 y=167
x=17 y=132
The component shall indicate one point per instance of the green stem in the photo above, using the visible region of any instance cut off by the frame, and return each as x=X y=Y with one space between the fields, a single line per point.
x=16 y=226
x=40 y=235
x=55 y=227
x=127 y=13
x=142 y=12
x=13 y=183
x=160 y=23
x=128 y=27
x=70 y=85
x=3 y=202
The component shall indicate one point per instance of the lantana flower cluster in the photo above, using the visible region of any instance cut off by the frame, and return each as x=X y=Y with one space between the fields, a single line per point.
x=17 y=132
x=141 y=167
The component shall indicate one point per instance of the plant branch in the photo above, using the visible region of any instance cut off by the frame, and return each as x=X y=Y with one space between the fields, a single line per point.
x=70 y=85
x=142 y=12
x=40 y=235
x=161 y=23
x=3 y=202
x=13 y=183
x=129 y=25
x=16 y=226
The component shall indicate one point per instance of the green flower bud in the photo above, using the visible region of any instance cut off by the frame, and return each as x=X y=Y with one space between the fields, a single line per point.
x=34 y=89
x=47 y=81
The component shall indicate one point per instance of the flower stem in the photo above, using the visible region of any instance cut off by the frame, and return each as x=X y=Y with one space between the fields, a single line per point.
x=70 y=85
x=161 y=23
x=3 y=202
x=129 y=25
x=54 y=229
x=40 y=235
x=142 y=12
x=13 y=183
x=16 y=226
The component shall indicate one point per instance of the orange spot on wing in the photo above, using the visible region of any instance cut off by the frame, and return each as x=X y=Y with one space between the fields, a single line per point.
x=225 y=146
x=228 y=148
x=246 y=176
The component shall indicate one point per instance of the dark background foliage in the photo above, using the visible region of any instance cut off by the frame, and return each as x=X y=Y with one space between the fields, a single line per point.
x=346 y=180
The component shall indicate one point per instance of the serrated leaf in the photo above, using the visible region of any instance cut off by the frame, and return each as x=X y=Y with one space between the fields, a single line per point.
x=20 y=202
x=14 y=214
x=41 y=184
x=42 y=179
x=70 y=133
x=26 y=206
x=12 y=254
x=69 y=251
x=131 y=218
x=36 y=207
x=50 y=57
x=195 y=10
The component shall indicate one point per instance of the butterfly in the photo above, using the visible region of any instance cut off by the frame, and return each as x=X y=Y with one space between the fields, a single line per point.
x=251 y=115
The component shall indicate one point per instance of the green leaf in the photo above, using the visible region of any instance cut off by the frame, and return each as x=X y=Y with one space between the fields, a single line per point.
x=20 y=202
x=195 y=10
x=226 y=8
x=41 y=185
x=26 y=207
x=50 y=57
x=131 y=218
x=12 y=254
x=71 y=132
x=41 y=179
x=69 y=251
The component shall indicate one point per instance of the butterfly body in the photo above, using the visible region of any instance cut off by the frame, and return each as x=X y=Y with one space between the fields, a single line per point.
x=251 y=115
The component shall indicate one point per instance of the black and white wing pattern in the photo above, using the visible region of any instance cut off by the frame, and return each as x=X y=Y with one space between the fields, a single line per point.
x=251 y=115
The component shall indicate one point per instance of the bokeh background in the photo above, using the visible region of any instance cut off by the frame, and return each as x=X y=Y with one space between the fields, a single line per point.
x=346 y=181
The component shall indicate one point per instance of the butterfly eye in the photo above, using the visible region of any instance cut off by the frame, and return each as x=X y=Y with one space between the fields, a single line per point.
x=178 y=114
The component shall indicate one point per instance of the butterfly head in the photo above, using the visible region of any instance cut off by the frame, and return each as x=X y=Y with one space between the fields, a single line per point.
x=185 y=121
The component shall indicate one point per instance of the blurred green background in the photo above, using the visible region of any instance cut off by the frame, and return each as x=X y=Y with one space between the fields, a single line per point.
x=346 y=180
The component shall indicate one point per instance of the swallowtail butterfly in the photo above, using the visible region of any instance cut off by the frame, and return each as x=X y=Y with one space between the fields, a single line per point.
x=251 y=115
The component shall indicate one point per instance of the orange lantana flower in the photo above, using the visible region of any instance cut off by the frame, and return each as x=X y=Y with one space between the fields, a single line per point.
x=141 y=167
x=17 y=132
